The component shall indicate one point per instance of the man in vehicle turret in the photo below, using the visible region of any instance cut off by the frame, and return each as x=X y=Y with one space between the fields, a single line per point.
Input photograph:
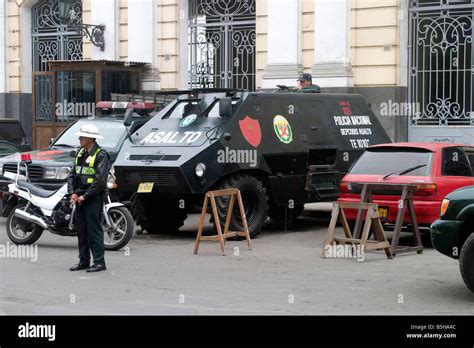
x=305 y=84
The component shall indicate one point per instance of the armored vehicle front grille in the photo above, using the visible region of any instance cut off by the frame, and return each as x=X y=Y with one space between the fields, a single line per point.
x=161 y=178
x=154 y=157
x=35 y=172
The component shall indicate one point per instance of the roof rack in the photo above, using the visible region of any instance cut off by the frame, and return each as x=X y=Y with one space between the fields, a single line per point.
x=159 y=102
x=201 y=90
x=161 y=98
x=138 y=105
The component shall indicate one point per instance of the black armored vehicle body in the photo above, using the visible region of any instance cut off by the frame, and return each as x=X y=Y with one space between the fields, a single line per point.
x=280 y=149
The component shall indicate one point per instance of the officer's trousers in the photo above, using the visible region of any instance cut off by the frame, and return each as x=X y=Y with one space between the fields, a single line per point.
x=89 y=230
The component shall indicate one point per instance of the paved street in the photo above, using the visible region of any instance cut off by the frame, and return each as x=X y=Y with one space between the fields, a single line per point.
x=162 y=276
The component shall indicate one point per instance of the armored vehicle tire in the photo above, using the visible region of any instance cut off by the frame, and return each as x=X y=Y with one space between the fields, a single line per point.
x=466 y=262
x=254 y=198
x=277 y=213
x=156 y=217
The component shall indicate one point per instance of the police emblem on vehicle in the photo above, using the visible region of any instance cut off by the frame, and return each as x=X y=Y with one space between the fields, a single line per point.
x=282 y=129
x=251 y=131
x=187 y=120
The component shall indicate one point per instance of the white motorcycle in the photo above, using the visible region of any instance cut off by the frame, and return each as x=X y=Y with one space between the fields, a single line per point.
x=33 y=210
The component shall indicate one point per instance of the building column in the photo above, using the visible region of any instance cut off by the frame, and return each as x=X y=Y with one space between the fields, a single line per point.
x=332 y=66
x=3 y=58
x=26 y=48
x=167 y=52
x=284 y=58
x=183 y=44
x=142 y=40
x=3 y=34
x=105 y=12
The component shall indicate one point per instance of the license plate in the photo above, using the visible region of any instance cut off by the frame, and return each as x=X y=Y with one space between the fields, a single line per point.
x=145 y=187
x=383 y=213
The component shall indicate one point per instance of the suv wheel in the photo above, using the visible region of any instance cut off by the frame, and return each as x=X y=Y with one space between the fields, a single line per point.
x=254 y=198
x=466 y=262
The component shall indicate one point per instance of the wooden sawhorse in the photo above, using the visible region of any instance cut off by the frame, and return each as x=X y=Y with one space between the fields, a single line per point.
x=405 y=204
x=372 y=222
x=221 y=237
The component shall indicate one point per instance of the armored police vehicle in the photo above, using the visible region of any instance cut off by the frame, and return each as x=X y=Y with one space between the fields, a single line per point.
x=280 y=149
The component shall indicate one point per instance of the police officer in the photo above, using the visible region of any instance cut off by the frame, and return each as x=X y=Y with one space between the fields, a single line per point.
x=306 y=84
x=86 y=184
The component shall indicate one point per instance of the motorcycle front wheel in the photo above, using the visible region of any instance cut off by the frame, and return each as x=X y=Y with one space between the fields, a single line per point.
x=21 y=231
x=116 y=238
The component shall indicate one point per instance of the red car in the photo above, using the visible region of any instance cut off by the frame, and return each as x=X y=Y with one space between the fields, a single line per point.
x=436 y=168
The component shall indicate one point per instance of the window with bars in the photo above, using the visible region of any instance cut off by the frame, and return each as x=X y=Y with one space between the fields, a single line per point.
x=441 y=62
x=222 y=44
x=52 y=40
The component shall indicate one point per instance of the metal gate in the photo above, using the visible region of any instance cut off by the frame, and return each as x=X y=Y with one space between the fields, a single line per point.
x=441 y=67
x=222 y=44
x=51 y=40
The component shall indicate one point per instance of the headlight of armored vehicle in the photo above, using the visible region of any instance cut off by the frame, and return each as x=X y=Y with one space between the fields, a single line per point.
x=58 y=173
x=200 y=170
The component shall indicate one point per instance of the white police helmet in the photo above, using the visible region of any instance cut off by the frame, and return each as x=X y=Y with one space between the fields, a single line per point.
x=89 y=131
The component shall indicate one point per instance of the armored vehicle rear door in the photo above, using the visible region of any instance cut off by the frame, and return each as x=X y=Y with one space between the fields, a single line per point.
x=338 y=128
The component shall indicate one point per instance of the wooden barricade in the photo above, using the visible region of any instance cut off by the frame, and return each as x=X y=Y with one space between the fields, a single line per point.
x=372 y=222
x=222 y=236
x=405 y=205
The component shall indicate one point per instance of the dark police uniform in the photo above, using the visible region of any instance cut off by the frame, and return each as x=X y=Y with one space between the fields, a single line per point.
x=89 y=178
x=310 y=89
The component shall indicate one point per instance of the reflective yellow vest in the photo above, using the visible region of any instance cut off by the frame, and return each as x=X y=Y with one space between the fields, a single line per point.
x=87 y=173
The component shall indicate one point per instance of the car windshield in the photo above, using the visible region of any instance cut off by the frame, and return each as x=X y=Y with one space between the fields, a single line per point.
x=7 y=149
x=113 y=133
x=387 y=161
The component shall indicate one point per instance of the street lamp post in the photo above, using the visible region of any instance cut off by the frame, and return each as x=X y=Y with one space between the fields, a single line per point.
x=94 y=32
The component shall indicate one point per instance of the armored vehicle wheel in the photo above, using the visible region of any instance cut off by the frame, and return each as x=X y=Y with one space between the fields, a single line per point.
x=254 y=198
x=466 y=262
x=157 y=217
x=277 y=213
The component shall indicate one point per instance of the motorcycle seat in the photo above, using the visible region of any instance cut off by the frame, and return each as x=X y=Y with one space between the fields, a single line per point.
x=35 y=190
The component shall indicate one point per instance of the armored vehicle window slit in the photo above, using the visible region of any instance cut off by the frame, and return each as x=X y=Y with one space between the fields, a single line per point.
x=214 y=108
x=181 y=108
